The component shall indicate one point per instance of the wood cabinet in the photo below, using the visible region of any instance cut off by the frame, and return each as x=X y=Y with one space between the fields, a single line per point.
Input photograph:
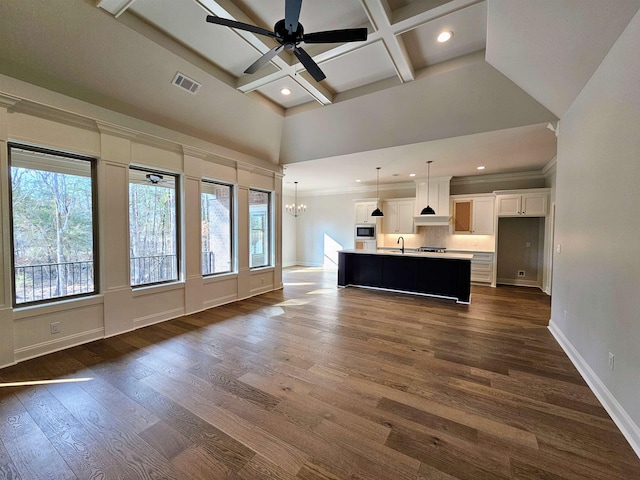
x=398 y=216
x=528 y=204
x=474 y=215
x=364 y=210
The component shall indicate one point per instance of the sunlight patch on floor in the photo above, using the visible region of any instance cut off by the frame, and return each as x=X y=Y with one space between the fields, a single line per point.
x=30 y=383
x=293 y=302
x=322 y=291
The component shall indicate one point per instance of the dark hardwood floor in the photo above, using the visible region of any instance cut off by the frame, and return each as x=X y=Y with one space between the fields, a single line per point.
x=315 y=382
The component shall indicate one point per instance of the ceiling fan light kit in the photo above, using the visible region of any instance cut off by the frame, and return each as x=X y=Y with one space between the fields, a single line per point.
x=289 y=33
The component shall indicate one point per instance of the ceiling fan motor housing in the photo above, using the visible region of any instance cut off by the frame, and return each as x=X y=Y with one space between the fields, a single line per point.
x=288 y=40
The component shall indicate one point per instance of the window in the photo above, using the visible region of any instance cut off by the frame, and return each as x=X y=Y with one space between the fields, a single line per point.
x=259 y=228
x=153 y=229
x=216 y=207
x=53 y=235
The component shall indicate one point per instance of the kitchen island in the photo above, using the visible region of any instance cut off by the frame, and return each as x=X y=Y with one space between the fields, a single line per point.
x=445 y=275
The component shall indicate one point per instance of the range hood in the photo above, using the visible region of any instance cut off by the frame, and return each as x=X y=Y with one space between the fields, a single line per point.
x=438 y=200
x=431 y=220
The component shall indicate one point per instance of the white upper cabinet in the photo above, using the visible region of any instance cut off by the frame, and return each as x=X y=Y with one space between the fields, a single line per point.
x=364 y=210
x=474 y=215
x=398 y=216
x=532 y=203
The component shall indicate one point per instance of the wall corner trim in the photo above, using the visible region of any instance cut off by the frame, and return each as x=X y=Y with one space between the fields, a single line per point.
x=624 y=422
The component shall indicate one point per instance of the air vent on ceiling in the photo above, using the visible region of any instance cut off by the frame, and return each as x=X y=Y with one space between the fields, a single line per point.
x=187 y=83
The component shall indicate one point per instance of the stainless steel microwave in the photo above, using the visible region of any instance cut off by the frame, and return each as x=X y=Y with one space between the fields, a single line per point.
x=365 y=231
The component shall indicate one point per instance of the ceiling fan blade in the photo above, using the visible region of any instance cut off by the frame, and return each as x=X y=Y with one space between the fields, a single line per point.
x=264 y=59
x=336 y=36
x=239 y=25
x=292 y=15
x=311 y=66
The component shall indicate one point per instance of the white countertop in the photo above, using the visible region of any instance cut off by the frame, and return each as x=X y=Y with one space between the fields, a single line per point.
x=413 y=253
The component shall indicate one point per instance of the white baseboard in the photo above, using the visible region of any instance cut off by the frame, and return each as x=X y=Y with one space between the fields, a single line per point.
x=160 y=317
x=518 y=282
x=50 y=346
x=624 y=422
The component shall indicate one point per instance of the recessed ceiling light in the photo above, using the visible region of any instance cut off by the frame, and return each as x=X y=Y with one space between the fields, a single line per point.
x=412 y=174
x=481 y=167
x=285 y=91
x=358 y=181
x=445 y=37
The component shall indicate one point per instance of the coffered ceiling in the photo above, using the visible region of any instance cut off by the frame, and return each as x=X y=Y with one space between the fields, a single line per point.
x=402 y=39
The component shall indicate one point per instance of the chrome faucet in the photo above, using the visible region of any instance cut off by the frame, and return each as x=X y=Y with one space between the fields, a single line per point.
x=401 y=238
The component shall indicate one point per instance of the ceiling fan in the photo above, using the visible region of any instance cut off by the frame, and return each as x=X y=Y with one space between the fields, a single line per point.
x=288 y=32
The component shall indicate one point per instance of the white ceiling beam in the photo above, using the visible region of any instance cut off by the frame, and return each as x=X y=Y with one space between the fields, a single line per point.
x=407 y=18
x=379 y=14
x=227 y=9
x=249 y=83
x=115 y=7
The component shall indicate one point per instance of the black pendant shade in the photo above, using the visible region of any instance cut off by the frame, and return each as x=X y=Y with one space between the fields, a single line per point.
x=377 y=212
x=428 y=210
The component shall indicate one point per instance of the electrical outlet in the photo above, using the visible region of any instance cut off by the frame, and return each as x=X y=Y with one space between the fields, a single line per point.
x=521 y=273
x=528 y=244
x=558 y=248
x=55 y=328
x=611 y=360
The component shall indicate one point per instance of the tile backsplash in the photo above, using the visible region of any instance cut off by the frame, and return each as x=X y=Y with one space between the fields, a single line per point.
x=440 y=237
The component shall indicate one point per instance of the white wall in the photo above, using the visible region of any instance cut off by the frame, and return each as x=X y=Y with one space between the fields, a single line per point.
x=328 y=225
x=596 y=279
x=289 y=233
x=25 y=332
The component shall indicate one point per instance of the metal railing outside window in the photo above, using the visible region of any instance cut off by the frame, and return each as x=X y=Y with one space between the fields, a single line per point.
x=153 y=269
x=34 y=283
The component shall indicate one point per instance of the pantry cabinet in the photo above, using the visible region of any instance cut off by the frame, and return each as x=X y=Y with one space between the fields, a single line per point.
x=523 y=203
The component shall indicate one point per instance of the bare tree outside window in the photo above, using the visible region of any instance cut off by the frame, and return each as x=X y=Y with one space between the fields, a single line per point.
x=153 y=236
x=53 y=238
x=216 y=208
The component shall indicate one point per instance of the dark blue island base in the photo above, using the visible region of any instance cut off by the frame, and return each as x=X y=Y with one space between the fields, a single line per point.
x=438 y=275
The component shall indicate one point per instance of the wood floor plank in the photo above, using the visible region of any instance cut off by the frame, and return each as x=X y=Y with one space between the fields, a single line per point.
x=259 y=440
x=319 y=383
x=31 y=452
x=8 y=470
x=74 y=443
x=134 y=455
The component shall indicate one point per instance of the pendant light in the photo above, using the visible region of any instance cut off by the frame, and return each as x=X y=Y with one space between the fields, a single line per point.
x=296 y=209
x=428 y=210
x=377 y=212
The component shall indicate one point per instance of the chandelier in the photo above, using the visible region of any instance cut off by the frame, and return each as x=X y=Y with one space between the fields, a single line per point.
x=295 y=209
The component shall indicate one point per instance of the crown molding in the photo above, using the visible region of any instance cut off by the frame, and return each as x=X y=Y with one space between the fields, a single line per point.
x=28 y=107
x=497 y=177
x=8 y=101
x=354 y=190
x=550 y=168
